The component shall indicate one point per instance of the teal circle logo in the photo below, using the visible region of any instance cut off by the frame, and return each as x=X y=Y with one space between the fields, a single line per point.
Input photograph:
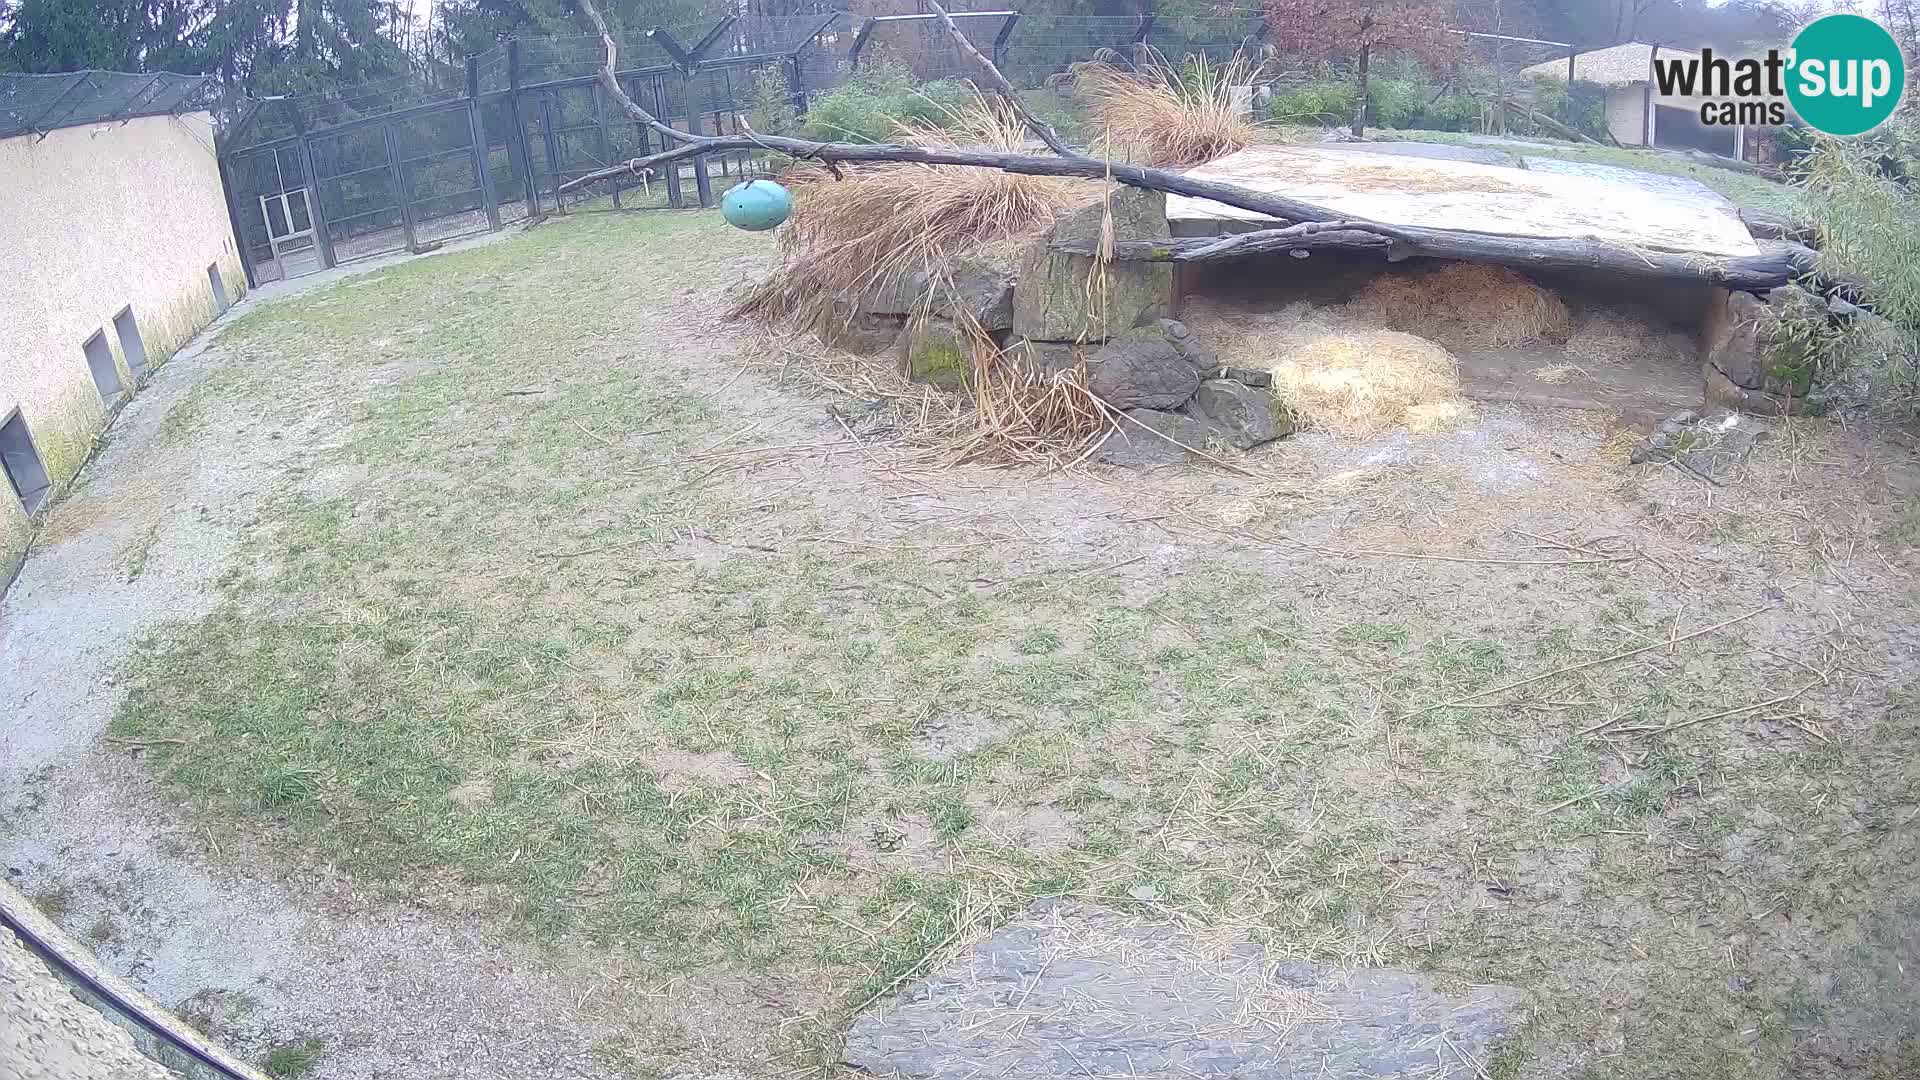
x=1846 y=75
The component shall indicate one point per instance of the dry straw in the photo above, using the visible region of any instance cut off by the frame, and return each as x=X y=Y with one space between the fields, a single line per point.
x=1162 y=114
x=882 y=223
x=1464 y=304
x=1361 y=382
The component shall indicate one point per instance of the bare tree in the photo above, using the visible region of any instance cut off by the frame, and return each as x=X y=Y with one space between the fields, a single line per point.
x=1360 y=30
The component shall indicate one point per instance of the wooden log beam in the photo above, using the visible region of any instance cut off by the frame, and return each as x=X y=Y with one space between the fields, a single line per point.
x=1774 y=267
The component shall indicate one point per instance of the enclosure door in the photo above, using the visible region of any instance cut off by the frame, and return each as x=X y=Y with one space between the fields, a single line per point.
x=290 y=229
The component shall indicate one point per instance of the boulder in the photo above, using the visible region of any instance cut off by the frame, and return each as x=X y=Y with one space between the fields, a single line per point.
x=863 y=332
x=1736 y=344
x=934 y=350
x=1050 y=302
x=1130 y=446
x=976 y=288
x=898 y=296
x=1045 y=358
x=1239 y=415
x=1718 y=389
x=1145 y=368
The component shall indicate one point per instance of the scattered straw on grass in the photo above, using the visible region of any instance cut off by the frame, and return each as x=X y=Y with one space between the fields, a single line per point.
x=1007 y=415
x=1464 y=305
x=883 y=222
x=1166 y=114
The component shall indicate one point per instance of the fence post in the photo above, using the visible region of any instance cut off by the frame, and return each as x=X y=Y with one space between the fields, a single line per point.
x=517 y=138
x=482 y=150
x=316 y=214
x=1137 y=46
x=399 y=175
x=1006 y=34
x=674 y=196
x=606 y=140
x=798 y=92
x=702 y=183
x=225 y=162
x=552 y=143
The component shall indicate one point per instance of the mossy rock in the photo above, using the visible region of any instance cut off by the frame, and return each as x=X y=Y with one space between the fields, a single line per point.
x=935 y=351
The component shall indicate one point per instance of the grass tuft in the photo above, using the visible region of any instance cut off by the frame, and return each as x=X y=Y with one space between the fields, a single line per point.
x=1167 y=114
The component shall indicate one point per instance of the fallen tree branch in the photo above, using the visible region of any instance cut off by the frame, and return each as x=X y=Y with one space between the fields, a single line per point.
x=1140 y=176
x=1001 y=86
x=1555 y=126
x=1308 y=226
x=1775 y=266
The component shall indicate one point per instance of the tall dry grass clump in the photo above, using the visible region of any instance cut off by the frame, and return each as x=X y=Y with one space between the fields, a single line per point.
x=882 y=222
x=1464 y=304
x=1162 y=114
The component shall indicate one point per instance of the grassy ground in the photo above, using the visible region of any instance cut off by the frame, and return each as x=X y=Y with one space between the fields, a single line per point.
x=568 y=620
x=1746 y=190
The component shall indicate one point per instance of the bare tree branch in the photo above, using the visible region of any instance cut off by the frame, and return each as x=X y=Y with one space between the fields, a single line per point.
x=1305 y=225
x=611 y=82
x=998 y=84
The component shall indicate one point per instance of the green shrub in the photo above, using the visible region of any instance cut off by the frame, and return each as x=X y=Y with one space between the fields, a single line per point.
x=1869 y=228
x=1452 y=112
x=1326 y=101
x=1396 y=103
x=869 y=106
x=770 y=109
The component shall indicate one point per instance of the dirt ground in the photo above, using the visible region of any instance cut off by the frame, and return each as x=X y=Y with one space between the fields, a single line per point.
x=483 y=666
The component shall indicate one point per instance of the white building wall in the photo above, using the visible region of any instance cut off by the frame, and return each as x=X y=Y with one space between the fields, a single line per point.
x=94 y=219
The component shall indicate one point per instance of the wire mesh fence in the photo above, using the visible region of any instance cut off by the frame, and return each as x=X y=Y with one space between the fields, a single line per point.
x=404 y=163
x=36 y=104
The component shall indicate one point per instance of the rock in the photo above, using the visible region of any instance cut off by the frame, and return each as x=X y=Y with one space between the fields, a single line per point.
x=1050 y=300
x=1145 y=368
x=1736 y=343
x=1251 y=376
x=1045 y=358
x=861 y=332
x=1085 y=991
x=1758 y=371
x=1717 y=389
x=934 y=350
x=898 y=296
x=1239 y=415
x=975 y=288
x=1714 y=445
x=1132 y=447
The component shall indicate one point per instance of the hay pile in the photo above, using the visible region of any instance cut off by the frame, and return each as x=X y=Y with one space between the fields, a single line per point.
x=1464 y=305
x=1336 y=373
x=1606 y=334
x=1362 y=382
x=882 y=222
x=1165 y=115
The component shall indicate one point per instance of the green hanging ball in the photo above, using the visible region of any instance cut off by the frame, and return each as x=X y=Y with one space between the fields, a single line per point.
x=756 y=206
